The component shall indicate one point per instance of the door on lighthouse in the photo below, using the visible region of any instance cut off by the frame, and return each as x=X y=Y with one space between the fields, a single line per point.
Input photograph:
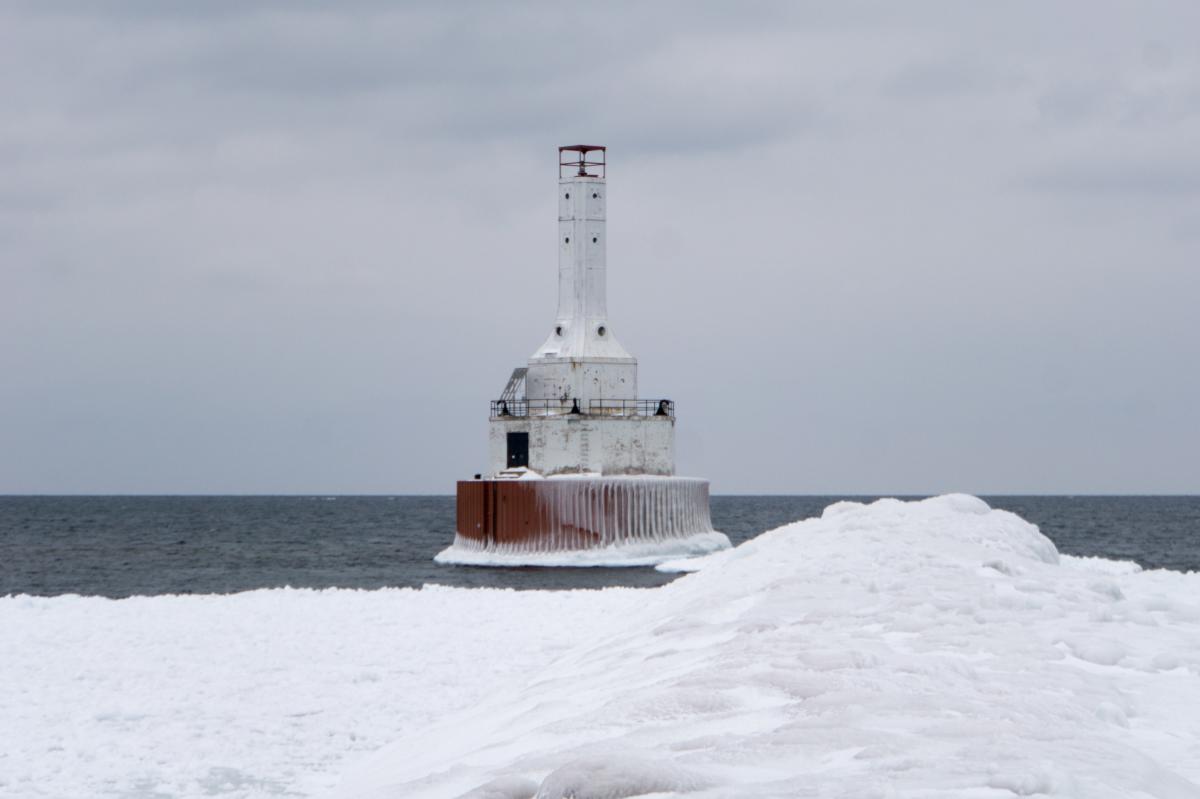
x=518 y=450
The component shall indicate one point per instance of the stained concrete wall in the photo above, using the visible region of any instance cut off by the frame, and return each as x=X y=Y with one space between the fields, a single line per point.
x=567 y=379
x=569 y=444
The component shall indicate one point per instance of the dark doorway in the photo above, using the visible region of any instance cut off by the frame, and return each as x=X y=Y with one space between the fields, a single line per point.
x=518 y=450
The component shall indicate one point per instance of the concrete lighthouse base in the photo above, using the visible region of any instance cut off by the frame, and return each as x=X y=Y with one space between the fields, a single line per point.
x=582 y=521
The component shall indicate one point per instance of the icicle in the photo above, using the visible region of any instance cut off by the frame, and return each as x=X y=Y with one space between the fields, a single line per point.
x=558 y=515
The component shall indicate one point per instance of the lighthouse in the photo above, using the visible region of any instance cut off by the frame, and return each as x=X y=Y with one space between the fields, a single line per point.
x=581 y=469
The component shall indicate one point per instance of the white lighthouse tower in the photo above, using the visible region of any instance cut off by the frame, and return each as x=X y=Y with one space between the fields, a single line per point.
x=580 y=412
x=578 y=463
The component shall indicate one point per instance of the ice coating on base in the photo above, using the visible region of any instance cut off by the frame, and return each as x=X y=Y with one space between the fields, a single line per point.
x=650 y=553
x=588 y=520
x=899 y=649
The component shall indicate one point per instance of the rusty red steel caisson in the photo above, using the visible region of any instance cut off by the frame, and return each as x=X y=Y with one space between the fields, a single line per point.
x=580 y=513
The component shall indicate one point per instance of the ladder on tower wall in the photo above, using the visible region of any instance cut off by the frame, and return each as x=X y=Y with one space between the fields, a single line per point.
x=515 y=383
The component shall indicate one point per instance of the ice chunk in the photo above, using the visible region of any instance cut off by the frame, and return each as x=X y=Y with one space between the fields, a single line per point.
x=617 y=776
x=504 y=788
x=1095 y=650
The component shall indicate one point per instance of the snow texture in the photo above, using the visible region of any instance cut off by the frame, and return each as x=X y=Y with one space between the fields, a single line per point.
x=928 y=649
x=260 y=694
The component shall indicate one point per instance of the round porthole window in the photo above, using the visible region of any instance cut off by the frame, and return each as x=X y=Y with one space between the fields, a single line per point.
x=595 y=195
x=601 y=330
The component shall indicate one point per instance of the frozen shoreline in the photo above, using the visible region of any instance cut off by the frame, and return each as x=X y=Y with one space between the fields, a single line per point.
x=935 y=648
x=649 y=553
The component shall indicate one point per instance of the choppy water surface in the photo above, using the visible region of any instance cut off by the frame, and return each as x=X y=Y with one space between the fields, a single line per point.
x=118 y=546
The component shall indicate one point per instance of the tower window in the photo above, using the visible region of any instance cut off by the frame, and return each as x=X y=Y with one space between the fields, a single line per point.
x=567 y=196
x=594 y=239
x=558 y=330
x=567 y=240
x=595 y=195
x=601 y=330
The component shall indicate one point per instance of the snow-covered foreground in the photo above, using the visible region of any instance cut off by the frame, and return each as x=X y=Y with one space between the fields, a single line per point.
x=260 y=694
x=932 y=649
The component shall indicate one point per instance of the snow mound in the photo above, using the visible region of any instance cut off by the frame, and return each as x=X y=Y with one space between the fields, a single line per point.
x=642 y=553
x=937 y=648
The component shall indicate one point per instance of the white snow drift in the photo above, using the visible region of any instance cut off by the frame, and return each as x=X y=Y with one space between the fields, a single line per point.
x=931 y=649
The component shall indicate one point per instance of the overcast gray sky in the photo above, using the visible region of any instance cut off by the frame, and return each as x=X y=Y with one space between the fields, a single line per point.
x=867 y=247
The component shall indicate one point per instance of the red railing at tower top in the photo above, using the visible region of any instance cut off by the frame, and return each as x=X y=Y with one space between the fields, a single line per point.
x=577 y=157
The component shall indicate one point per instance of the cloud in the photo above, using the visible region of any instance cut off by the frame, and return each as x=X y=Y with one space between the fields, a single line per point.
x=1171 y=181
x=273 y=246
x=951 y=79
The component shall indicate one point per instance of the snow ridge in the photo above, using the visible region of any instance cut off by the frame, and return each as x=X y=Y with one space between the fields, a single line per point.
x=933 y=648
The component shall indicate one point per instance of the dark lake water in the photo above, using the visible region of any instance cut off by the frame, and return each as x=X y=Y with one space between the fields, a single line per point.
x=118 y=546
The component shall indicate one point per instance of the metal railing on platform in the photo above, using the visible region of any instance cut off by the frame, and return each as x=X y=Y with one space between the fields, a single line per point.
x=519 y=408
x=633 y=407
x=522 y=407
